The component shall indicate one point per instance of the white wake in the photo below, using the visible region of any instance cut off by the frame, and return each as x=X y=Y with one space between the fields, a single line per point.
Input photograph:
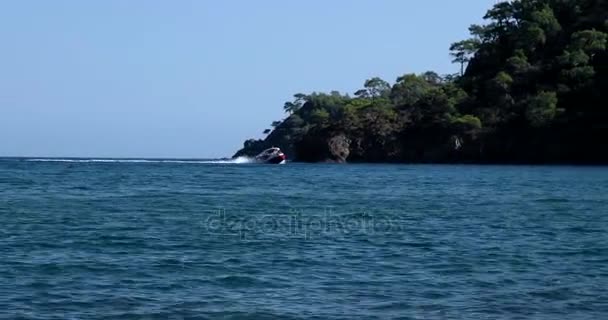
x=239 y=160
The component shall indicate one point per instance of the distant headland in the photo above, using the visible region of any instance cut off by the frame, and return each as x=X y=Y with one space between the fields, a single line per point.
x=533 y=88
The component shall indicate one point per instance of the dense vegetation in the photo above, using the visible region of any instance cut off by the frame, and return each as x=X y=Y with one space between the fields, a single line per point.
x=532 y=89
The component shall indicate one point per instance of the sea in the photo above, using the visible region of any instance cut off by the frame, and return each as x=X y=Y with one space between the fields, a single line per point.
x=224 y=239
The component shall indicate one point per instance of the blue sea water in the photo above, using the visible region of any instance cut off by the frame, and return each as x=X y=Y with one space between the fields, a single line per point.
x=107 y=239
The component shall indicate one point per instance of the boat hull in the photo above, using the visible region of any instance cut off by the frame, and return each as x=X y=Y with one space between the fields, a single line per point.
x=276 y=160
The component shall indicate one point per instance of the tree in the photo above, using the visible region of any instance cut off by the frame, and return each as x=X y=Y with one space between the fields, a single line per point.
x=589 y=41
x=374 y=88
x=541 y=109
x=300 y=98
x=502 y=13
x=433 y=108
x=432 y=78
x=479 y=32
x=293 y=106
x=377 y=87
x=451 y=78
x=409 y=89
x=379 y=122
x=462 y=52
x=578 y=72
x=545 y=18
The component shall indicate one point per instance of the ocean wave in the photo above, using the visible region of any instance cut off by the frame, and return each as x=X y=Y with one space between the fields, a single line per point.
x=239 y=160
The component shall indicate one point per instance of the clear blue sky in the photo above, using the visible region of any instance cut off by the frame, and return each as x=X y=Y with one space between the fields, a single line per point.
x=152 y=78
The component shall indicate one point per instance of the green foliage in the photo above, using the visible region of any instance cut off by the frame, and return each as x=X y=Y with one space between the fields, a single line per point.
x=320 y=116
x=518 y=63
x=291 y=107
x=294 y=121
x=409 y=89
x=467 y=122
x=532 y=36
x=546 y=20
x=502 y=82
x=432 y=78
x=479 y=33
x=574 y=59
x=541 y=108
x=589 y=40
x=455 y=94
x=577 y=77
x=434 y=108
x=379 y=121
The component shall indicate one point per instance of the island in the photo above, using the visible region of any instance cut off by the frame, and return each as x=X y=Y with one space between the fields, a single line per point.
x=532 y=88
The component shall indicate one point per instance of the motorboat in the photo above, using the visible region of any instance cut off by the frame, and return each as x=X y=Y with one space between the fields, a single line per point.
x=272 y=155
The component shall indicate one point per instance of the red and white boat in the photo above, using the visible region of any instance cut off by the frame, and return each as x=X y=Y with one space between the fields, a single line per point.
x=271 y=156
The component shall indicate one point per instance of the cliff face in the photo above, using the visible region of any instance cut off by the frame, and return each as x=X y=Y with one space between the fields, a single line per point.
x=532 y=90
x=323 y=149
